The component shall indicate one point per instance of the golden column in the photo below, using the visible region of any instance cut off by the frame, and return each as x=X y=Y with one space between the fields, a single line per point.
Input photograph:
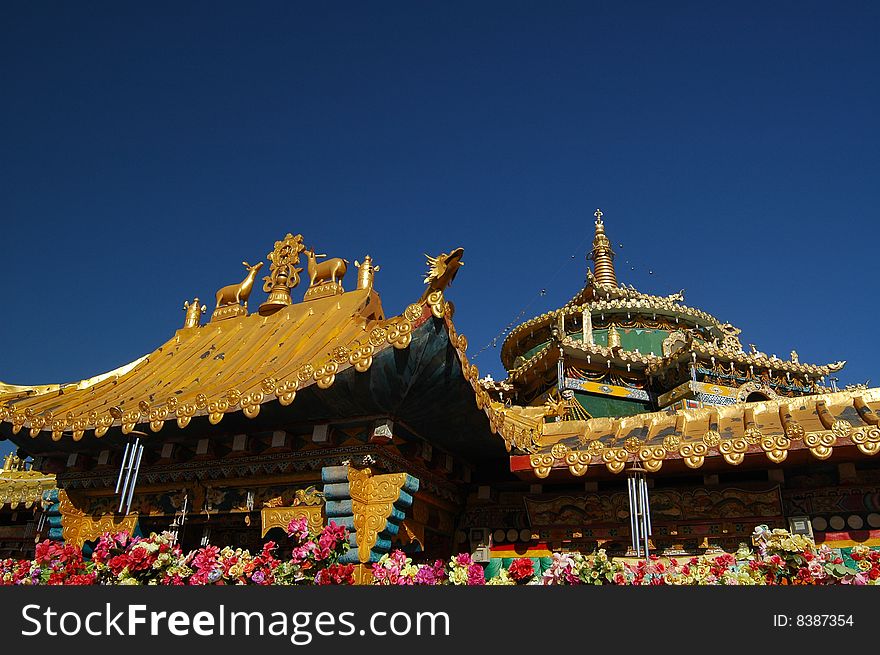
x=602 y=255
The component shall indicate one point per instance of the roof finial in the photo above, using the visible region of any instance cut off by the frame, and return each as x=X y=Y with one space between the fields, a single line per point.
x=602 y=255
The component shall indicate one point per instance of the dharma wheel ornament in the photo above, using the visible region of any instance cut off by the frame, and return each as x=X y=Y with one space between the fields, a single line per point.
x=283 y=273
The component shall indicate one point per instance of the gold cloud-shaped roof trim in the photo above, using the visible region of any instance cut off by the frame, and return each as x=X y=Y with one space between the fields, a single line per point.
x=818 y=423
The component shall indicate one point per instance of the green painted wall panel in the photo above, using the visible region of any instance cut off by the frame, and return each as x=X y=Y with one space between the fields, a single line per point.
x=601 y=406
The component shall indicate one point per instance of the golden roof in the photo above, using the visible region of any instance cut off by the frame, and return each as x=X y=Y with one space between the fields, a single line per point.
x=19 y=486
x=242 y=362
x=653 y=364
x=602 y=294
x=235 y=364
x=239 y=363
x=818 y=423
x=758 y=359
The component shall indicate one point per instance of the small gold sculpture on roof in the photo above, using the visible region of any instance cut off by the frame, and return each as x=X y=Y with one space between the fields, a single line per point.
x=232 y=299
x=325 y=278
x=730 y=340
x=194 y=313
x=442 y=270
x=13 y=462
x=283 y=273
x=366 y=272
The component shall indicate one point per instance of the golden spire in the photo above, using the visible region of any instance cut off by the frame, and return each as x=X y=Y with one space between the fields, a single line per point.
x=602 y=255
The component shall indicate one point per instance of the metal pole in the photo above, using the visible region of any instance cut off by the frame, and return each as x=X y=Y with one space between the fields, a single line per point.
x=133 y=483
x=642 y=511
x=122 y=466
x=133 y=450
x=632 y=514
x=646 y=520
x=560 y=372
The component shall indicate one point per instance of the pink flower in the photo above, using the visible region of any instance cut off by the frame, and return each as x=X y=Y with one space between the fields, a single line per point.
x=431 y=574
x=476 y=577
x=298 y=529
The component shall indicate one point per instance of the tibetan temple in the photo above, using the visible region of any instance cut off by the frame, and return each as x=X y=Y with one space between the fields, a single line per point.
x=626 y=419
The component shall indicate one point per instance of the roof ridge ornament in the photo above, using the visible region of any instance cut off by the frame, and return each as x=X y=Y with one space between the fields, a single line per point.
x=194 y=313
x=325 y=278
x=283 y=273
x=366 y=272
x=602 y=254
x=232 y=299
x=442 y=270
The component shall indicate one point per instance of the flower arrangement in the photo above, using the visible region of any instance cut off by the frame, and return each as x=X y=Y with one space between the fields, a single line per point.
x=464 y=571
x=335 y=574
x=314 y=554
x=432 y=574
x=53 y=564
x=395 y=568
x=595 y=569
x=521 y=570
x=867 y=569
x=17 y=572
x=224 y=566
x=565 y=569
x=503 y=579
x=155 y=560
x=779 y=558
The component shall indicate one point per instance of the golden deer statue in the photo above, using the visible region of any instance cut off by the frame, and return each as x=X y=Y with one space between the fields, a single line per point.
x=332 y=270
x=234 y=294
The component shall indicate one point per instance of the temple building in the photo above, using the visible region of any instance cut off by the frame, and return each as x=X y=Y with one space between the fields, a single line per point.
x=21 y=496
x=626 y=421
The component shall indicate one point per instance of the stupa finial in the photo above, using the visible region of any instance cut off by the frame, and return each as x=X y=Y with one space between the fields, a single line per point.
x=602 y=255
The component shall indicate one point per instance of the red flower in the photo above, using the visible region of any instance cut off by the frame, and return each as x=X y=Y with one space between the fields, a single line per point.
x=522 y=570
x=336 y=574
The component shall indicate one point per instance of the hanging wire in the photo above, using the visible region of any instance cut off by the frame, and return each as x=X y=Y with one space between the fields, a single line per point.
x=543 y=292
x=493 y=343
x=513 y=323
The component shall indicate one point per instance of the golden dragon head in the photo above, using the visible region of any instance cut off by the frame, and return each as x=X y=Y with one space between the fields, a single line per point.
x=442 y=268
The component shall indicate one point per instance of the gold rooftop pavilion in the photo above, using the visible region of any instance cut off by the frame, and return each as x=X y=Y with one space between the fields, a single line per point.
x=259 y=402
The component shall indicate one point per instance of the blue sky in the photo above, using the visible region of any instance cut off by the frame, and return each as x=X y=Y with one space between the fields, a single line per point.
x=148 y=148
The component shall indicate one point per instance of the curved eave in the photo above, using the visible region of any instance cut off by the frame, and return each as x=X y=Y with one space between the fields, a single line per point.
x=640 y=304
x=24 y=488
x=548 y=356
x=10 y=392
x=706 y=352
x=819 y=424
